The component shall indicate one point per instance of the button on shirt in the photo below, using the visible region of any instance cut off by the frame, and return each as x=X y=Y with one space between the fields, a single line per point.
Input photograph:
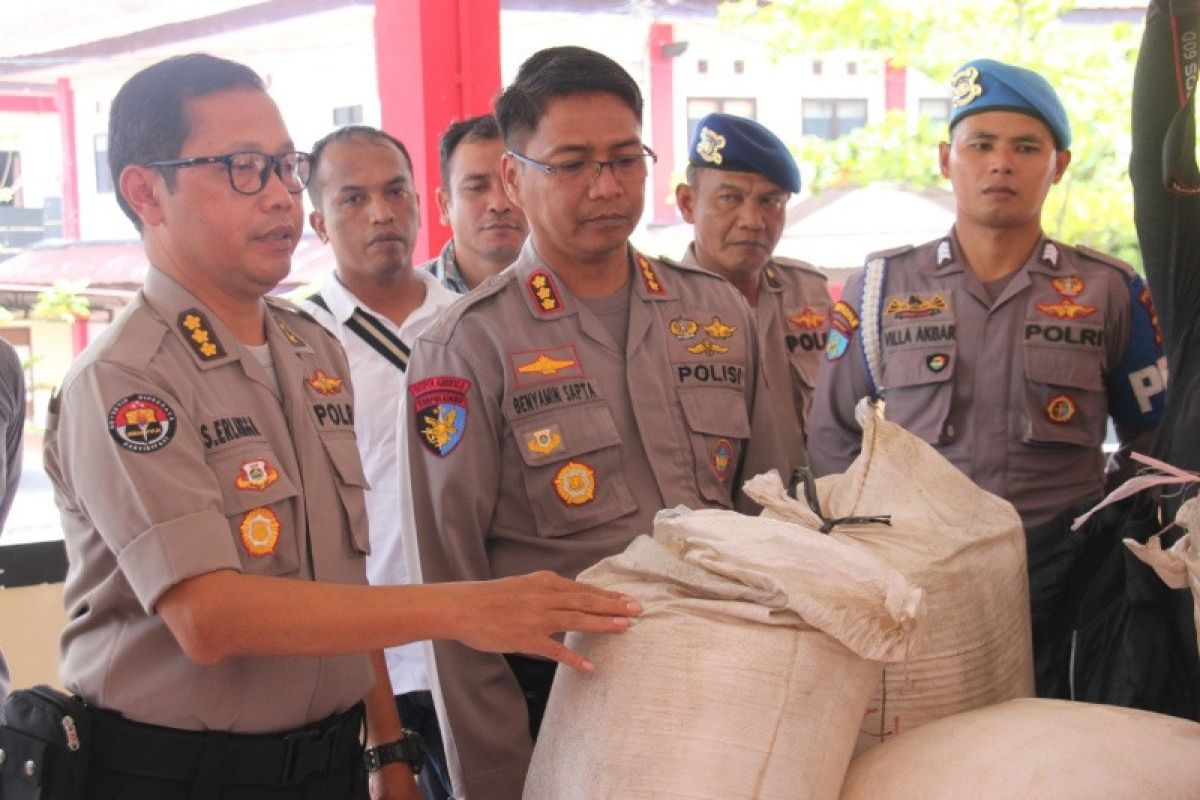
x=379 y=384
x=171 y=457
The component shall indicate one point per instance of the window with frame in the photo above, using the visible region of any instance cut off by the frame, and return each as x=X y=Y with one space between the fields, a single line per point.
x=832 y=118
x=347 y=115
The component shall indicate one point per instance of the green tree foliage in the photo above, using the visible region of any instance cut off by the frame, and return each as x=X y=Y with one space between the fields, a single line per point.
x=65 y=302
x=1091 y=67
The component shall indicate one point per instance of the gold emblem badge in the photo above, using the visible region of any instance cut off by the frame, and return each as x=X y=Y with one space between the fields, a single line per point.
x=256 y=475
x=710 y=145
x=325 y=384
x=718 y=329
x=683 y=328
x=1069 y=286
x=965 y=84
x=441 y=428
x=708 y=348
x=649 y=278
x=915 y=306
x=808 y=319
x=202 y=340
x=260 y=531
x=545 y=365
x=1060 y=410
x=543 y=441
x=575 y=483
x=544 y=292
x=1066 y=309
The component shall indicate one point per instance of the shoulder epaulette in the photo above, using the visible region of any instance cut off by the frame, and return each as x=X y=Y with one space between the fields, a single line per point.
x=892 y=253
x=1105 y=258
x=448 y=318
x=689 y=268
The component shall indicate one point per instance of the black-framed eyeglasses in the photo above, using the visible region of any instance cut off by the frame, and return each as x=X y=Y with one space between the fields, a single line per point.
x=249 y=171
x=634 y=166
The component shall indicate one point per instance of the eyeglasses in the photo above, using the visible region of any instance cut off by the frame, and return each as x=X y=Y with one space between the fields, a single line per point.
x=249 y=171
x=585 y=170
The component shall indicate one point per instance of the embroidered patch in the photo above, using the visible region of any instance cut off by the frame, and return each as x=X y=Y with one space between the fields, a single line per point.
x=200 y=336
x=710 y=145
x=545 y=292
x=141 y=423
x=575 y=483
x=683 y=328
x=440 y=411
x=937 y=362
x=965 y=85
x=325 y=384
x=259 y=531
x=708 y=348
x=256 y=475
x=721 y=458
x=1068 y=286
x=1061 y=409
x=649 y=277
x=718 y=329
x=545 y=365
x=1148 y=304
x=1066 y=308
x=915 y=307
x=845 y=318
x=808 y=319
x=544 y=441
x=836 y=344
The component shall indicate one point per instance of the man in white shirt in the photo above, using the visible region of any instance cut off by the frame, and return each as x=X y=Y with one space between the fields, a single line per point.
x=366 y=208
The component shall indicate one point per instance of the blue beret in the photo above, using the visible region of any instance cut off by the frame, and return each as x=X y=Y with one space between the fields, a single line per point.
x=723 y=141
x=986 y=85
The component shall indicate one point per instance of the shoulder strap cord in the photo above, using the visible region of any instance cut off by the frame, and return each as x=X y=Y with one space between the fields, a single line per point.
x=374 y=333
x=871 y=308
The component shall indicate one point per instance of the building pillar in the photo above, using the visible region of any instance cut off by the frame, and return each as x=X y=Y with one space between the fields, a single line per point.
x=662 y=121
x=65 y=101
x=437 y=61
x=895 y=87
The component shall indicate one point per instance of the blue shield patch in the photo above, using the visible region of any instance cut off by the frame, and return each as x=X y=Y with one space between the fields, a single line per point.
x=836 y=346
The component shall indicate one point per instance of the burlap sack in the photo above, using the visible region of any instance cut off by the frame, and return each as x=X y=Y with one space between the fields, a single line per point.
x=743 y=678
x=963 y=546
x=1036 y=750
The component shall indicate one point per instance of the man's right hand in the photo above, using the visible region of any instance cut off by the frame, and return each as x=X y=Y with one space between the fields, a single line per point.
x=521 y=614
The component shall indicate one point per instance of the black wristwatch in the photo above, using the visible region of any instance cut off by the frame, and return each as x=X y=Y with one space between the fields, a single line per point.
x=410 y=750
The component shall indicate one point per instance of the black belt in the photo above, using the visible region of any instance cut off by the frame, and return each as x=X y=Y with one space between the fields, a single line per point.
x=277 y=759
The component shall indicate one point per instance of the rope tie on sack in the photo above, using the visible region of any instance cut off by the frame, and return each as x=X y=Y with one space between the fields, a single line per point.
x=804 y=475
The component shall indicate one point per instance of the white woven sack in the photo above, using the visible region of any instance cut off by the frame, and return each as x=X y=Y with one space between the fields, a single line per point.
x=1179 y=567
x=1036 y=750
x=964 y=546
x=720 y=690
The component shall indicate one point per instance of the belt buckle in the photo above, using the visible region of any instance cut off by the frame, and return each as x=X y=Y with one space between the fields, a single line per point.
x=306 y=754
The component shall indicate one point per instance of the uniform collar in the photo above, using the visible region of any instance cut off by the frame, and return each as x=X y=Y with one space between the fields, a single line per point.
x=771 y=280
x=547 y=297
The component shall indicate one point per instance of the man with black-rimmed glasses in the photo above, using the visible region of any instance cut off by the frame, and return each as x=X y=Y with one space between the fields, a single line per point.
x=204 y=461
x=552 y=412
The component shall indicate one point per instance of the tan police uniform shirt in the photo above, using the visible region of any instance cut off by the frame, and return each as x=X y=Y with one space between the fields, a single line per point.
x=171 y=457
x=792 y=317
x=534 y=441
x=1015 y=393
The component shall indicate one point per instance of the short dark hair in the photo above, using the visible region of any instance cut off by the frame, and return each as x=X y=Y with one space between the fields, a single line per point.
x=347 y=132
x=560 y=72
x=148 y=120
x=476 y=129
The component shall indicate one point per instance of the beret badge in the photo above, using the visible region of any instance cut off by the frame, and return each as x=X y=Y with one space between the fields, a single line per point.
x=966 y=86
x=709 y=146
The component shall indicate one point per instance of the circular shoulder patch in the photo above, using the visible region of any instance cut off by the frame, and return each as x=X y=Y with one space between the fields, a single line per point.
x=141 y=423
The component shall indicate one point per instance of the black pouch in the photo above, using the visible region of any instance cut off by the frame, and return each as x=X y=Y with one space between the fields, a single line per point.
x=44 y=743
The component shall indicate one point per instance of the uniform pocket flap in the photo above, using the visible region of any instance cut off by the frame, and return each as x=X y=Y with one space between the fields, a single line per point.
x=715 y=411
x=250 y=477
x=343 y=452
x=565 y=433
x=918 y=367
x=1059 y=366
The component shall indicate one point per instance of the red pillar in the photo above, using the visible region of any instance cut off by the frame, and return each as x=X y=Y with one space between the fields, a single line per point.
x=79 y=335
x=662 y=121
x=438 y=61
x=65 y=100
x=895 y=87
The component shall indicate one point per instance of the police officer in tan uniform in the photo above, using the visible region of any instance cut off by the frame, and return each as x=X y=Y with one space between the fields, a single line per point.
x=557 y=408
x=204 y=461
x=740 y=177
x=1004 y=349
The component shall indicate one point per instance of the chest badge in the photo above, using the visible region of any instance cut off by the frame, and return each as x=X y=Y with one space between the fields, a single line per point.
x=718 y=329
x=683 y=328
x=259 y=531
x=256 y=476
x=325 y=384
x=808 y=319
x=937 y=362
x=545 y=365
x=1060 y=410
x=575 y=483
x=544 y=441
x=707 y=348
x=1068 y=288
x=915 y=307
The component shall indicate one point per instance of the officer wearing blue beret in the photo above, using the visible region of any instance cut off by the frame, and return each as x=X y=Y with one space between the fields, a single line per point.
x=740 y=177
x=1004 y=349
